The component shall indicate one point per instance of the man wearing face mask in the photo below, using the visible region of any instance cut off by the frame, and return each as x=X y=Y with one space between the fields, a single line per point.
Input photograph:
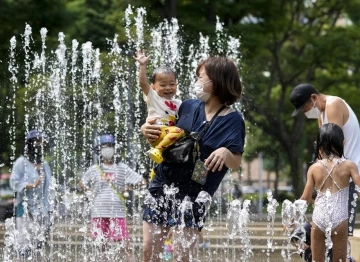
x=107 y=184
x=331 y=109
x=30 y=179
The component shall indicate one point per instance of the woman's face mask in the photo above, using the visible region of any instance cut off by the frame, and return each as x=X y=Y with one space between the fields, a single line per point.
x=200 y=93
x=313 y=113
x=107 y=153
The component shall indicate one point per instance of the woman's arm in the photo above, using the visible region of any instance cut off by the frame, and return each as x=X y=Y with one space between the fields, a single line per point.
x=232 y=136
x=220 y=157
x=151 y=131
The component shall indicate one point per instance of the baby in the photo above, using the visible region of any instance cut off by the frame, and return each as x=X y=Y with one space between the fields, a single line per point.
x=161 y=105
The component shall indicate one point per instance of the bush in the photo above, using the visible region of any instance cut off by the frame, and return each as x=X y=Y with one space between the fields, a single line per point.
x=282 y=196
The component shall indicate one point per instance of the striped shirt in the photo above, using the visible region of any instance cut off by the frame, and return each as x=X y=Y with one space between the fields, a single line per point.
x=106 y=201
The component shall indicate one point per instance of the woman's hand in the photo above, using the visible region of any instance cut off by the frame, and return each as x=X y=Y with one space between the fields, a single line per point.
x=217 y=159
x=222 y=157
x=151 y=131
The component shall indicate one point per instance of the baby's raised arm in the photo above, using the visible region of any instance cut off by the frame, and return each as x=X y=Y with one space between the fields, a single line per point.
x=143 y=60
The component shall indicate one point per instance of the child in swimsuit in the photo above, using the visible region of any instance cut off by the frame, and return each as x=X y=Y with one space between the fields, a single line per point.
x=330 y=175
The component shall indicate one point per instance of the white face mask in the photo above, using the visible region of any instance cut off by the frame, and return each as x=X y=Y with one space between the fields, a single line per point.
x=108 y=152
x=313 y=113
x=200 y=93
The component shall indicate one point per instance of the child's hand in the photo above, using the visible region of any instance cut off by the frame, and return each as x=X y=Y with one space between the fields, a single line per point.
x=38 y=181
x=141 y=57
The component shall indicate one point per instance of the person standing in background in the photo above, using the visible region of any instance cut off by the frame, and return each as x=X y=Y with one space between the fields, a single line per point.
x=332 y=109
x=30 y=179
x=107 y=184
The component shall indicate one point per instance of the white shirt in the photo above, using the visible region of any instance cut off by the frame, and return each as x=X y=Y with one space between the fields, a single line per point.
x=164 y=110
x=106 y=201
x=351 y=131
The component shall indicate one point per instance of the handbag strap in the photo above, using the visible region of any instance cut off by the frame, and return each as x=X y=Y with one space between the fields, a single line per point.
x=208 y=123
x=196 y=150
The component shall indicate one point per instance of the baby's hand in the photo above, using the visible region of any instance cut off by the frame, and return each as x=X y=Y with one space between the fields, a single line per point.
x=141 y=58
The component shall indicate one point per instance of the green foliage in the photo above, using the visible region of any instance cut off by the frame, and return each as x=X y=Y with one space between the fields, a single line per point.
x=281 y=196
x=283 y=43
x=296 y=43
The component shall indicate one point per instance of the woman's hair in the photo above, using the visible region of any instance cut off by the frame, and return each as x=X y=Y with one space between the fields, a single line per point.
x=330 y=141
x=225 y=77
x=161 y=70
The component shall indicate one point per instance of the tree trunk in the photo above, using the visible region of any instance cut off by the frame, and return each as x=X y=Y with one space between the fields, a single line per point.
x=170 y=8
x=296 y=173
x=249 y=173
x=277 y=173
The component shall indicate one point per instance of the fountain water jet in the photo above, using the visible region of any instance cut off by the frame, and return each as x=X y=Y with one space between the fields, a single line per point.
x=74 y=93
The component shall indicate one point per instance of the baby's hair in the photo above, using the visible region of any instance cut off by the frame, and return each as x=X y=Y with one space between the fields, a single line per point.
x=161 y=70
x=330 y=140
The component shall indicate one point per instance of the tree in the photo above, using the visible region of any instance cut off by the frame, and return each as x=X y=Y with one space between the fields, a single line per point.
x=303 y=45
x=13 y=18
x=284 y=43
x=273 y=159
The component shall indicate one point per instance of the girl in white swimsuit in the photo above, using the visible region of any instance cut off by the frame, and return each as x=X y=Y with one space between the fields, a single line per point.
x=330 y=175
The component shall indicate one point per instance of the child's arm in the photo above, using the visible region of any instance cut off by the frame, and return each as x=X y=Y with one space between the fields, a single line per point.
x=170 y=234
x=83 y=185
x=309 y=187
x=142 y=59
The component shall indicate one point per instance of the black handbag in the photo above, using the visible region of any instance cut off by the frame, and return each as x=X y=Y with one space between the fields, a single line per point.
x=182 y=150
x=186 y=148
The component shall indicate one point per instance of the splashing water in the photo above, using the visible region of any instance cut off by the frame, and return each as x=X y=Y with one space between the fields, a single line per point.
x=329 y=213
x=73 y=94
x=353 y=206
x=293 y=215
x=237 y=224
x=271 y=209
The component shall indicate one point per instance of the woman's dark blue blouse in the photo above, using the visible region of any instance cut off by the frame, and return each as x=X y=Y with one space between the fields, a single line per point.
x=225 y=131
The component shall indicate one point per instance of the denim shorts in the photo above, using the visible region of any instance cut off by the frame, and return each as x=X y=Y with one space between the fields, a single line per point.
x=165 y=212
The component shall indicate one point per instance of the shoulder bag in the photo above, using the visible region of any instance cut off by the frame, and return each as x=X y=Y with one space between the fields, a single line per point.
x=187 y=148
